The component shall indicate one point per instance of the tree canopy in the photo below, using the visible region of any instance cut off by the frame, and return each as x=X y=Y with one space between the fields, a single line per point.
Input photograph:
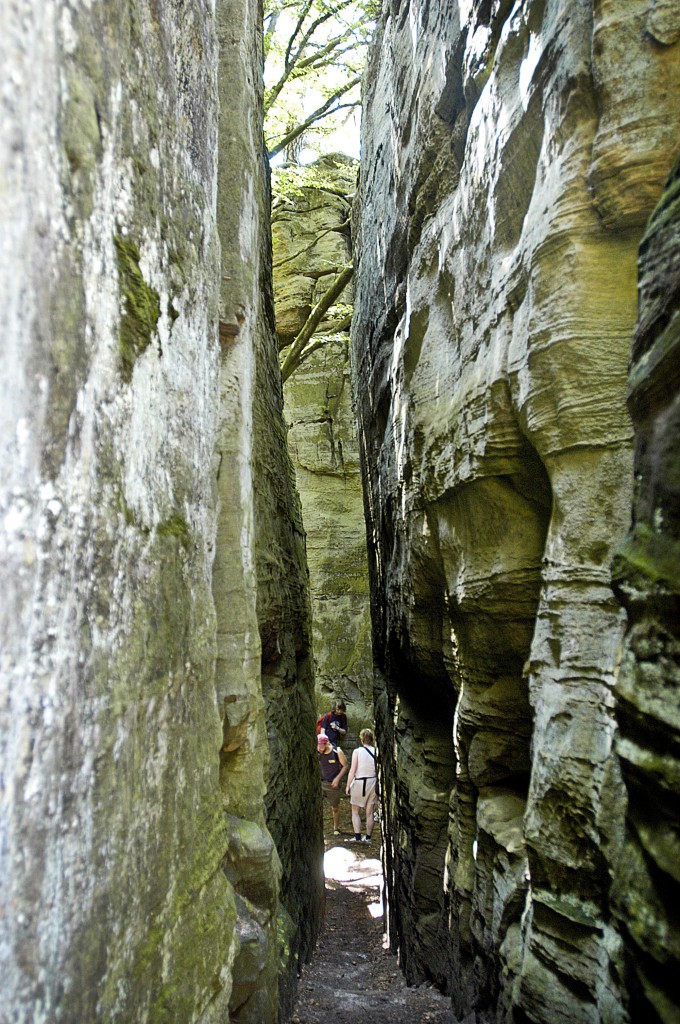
x=315 y=51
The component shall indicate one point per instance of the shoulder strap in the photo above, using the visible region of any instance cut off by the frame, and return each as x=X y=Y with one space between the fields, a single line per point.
x=371 y=753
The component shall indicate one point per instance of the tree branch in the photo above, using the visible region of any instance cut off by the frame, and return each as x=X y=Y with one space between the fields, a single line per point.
x=292 y=59
x=303 y=14
x=324 y=51
x=335 y=328
x=296 y=353
x=312 y=347
x=269 y=33
x=317 y=238
x=318 y=115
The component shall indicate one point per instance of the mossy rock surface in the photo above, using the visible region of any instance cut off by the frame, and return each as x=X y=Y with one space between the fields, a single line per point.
x=141 y=307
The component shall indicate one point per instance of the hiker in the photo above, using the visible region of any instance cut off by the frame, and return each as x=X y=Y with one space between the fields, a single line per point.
x=333 y=764
x=361 y=785
x=334 y=722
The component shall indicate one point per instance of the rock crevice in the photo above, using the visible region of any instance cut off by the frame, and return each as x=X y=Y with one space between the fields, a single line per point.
x=312 y=242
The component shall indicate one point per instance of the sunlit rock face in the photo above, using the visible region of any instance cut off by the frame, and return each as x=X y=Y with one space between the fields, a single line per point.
x=511 y=157
x=311 y=242
x=647 y=577
x=138 y=879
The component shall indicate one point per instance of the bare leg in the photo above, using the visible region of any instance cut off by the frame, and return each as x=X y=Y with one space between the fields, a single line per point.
x=370 y=807
x=356 y=820
x=336 y=816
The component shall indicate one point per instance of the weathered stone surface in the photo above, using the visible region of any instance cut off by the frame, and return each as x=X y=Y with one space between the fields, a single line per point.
x=324 y=447
x=417 y=767
x=647 y=576
x=114 y=903
x=293 y=799
x=311 y=239
x=138 y=880
x=511 y=156
x=323 y=442
x=264 y=668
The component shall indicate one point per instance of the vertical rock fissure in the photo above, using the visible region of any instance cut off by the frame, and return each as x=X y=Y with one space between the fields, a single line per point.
x=647 y=579
x=311 y=245
x=492 y=537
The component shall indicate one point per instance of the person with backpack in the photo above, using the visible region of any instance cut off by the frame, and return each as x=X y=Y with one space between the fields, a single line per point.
x=334 y=722
x=333 y=765
x=361 y=785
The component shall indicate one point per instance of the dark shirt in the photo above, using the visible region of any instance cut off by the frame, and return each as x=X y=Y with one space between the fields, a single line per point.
x=334 y=716
x=329 y=764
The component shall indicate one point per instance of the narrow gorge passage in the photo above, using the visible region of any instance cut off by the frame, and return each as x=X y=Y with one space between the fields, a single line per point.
x=459 y=514
x=352 y=977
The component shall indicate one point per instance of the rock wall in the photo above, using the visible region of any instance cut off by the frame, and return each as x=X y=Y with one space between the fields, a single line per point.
x=647 y=577
x=311 y=240
x=265 y=683
x=138 y=881
x=512 y=154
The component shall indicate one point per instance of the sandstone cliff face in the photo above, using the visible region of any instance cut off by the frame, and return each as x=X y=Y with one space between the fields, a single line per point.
x=511 y=156
x=138 y=881
x=647 y=575
x=311 y=240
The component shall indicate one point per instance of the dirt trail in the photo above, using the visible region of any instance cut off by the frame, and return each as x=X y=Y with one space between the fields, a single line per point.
x=351 y=977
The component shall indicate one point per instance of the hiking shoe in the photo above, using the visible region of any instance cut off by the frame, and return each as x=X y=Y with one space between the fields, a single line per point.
x=366 y=839
x=336 y=831
x=354 y=840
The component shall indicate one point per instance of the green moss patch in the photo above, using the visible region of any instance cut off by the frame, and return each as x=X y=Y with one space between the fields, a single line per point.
x=647 y=560
x=175 y=526
x=142 y=307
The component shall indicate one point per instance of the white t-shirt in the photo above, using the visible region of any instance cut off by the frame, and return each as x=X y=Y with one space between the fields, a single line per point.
x=365 y=763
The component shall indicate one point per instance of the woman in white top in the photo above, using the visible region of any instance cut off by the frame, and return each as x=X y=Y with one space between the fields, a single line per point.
x=361 y=783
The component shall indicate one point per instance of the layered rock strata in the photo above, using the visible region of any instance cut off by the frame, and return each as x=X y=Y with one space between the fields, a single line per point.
x=647 y=577
x=138 y=879
x=511 y=156
x=311 y=242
